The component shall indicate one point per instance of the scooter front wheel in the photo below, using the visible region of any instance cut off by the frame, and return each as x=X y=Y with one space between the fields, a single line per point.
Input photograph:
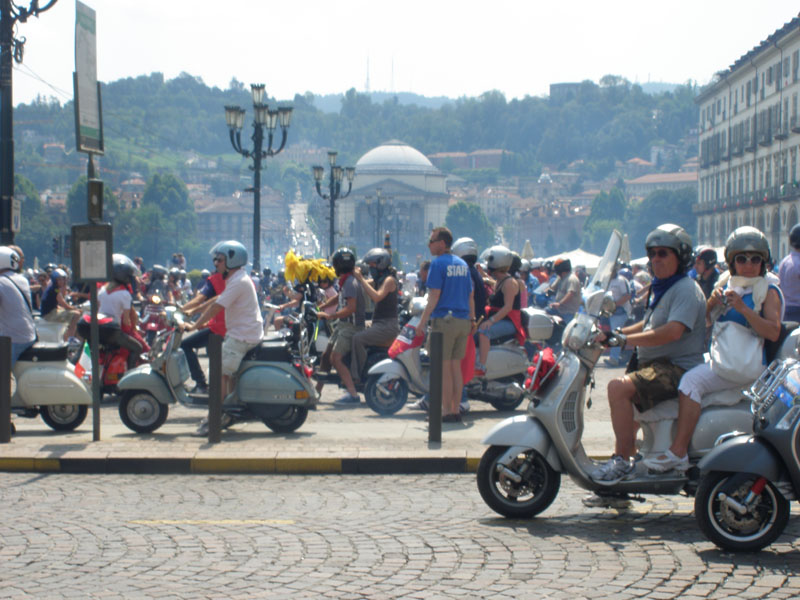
x=141 y=412
x=385 y=397
x=520 y=490
x=756 y=528
x=64 y=417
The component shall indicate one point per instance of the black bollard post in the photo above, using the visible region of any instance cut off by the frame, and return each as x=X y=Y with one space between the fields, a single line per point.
x=435 y=391
x=5 y=390
x=214 y=388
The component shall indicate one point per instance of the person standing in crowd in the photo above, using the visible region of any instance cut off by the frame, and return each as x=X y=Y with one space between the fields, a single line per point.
x=620 y=291
x=55 y=308
x=451 y=307
x=705 y=265
x=789 y=275
x=568 y=290
x=423 y=277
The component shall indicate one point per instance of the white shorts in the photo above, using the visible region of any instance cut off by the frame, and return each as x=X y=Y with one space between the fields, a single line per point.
x=701 y=380
x=233 y=351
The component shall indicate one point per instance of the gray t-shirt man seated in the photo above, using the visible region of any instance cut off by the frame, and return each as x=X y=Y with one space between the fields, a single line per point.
x=669 y=342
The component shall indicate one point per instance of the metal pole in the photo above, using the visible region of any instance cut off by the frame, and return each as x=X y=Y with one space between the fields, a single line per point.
x=435 y=391
x=257 y=140
x=214 y=388
x=94 y=343
x=6 y=123
x=331 y=200
x=5 y=389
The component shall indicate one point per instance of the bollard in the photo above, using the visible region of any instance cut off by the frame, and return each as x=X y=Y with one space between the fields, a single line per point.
x=435 y=389
x=5 y=390
x=214 y=388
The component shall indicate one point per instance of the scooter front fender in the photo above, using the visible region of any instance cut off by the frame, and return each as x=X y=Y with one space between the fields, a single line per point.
x=520 y=433
x=145 y=378
x=390 y=367
x=744 y=454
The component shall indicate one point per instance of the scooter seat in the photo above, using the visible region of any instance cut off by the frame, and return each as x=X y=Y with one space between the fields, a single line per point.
x=45 y=352
x=503 y=339
x=270 y=351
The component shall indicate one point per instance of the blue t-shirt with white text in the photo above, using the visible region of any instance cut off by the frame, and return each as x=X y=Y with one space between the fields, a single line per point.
x=450 y=274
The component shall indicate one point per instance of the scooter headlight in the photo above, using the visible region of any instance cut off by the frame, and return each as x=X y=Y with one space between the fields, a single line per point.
x=577 y=332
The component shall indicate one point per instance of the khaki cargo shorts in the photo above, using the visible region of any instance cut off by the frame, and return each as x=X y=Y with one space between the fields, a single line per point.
x=342 y=338
x=655 y=382
x=455 y=333
x=233 y=351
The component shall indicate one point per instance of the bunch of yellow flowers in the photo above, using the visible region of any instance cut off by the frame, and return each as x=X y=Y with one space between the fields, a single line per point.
x=306 y=269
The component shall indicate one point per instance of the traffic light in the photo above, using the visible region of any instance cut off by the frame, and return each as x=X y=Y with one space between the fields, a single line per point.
x=56 y=246
x=67 y=242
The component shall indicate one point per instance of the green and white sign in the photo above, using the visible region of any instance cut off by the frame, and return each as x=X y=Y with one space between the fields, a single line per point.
x=88 y=117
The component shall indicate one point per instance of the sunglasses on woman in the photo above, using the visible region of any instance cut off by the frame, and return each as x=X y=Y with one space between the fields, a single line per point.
x=742 y=259
x=660 y=253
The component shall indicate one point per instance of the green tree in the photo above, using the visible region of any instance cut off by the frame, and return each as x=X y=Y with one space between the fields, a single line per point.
x=466 y=219
x=168 y=193
x=661 y=206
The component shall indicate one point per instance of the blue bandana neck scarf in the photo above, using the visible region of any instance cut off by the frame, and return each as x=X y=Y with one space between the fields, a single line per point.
x=659 y=287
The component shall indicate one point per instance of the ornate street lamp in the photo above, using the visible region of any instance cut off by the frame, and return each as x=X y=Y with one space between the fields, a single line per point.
x=334 y=188
x=375 y=209
x=263 y=118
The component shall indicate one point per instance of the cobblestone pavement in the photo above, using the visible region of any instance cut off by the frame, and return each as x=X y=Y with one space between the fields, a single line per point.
x=150 y=536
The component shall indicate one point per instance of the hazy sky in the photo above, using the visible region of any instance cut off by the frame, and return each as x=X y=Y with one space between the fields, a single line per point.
x=433 y=47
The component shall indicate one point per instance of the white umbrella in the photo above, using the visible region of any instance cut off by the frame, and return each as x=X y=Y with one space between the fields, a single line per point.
x=580 y=258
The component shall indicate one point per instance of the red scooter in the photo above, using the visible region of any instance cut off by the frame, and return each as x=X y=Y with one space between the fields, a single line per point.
x=154 y=318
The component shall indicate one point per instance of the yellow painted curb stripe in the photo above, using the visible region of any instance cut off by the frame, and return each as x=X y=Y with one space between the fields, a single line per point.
x=472 y=464
x=30 y=464
x=308 y=465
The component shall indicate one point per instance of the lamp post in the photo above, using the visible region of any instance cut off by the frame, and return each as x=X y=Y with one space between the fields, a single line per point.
x=336 y=175
x=375 y=209
x=263 y=118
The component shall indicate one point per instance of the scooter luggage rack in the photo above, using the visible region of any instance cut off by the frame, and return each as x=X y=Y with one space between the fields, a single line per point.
x=763 y=393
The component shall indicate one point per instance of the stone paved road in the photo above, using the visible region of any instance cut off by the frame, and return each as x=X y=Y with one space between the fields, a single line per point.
x=355 y=537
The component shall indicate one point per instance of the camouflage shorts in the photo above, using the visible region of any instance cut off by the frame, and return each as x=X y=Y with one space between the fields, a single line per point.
x=655 y=382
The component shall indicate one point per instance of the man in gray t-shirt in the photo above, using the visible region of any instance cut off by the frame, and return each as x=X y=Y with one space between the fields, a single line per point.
x=16 y=319
x=669 y=341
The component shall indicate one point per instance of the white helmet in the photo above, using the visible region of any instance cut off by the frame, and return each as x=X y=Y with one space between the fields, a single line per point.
x=9 y=259
x=499 y=257
x=465 y=247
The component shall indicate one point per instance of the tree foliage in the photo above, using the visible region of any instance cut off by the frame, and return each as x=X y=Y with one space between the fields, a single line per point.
x=466 y=219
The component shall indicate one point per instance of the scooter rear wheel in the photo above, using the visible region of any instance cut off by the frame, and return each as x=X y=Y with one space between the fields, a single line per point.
x=141 y=412
x=523 y=499
x=64 y=417
x=728 y=529
x=388 y=397
x=289 y=421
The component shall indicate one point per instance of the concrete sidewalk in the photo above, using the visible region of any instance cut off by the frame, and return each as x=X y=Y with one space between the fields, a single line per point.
x=332 y=440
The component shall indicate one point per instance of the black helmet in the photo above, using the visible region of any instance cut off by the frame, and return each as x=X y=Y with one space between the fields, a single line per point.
x=794 y=237
x=158 y=272
x=562 y=265
x=675 y=237
x=707 y=255
x=343 y=261
x=123 y=269
x=516 y=263
x=378 y=257
x=175 y=272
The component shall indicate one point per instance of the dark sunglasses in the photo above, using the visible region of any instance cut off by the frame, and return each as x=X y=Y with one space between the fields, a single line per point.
x=660 y=253
x=218 y=259
x=742 y=259
x=433 y=241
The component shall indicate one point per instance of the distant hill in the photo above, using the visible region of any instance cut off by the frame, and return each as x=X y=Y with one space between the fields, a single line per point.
x=332 y=103
x=654 y=88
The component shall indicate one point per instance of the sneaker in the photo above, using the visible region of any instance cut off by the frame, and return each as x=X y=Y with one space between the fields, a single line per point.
x=463 y=408
x=611 y=362
x=225 y=422
x=601 y=500
x=666 y=462
x=421 y=404
x=348 y=400
x=200 y=388
x=614 y=470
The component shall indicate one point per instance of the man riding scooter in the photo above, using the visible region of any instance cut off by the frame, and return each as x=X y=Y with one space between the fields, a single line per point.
x=243 y=320
x=669 y=341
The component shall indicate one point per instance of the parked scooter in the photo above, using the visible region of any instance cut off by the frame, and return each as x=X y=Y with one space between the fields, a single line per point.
x=520 y=473
x=748 y=480
x=272 y=385
x=390 y=380
x=46 y=385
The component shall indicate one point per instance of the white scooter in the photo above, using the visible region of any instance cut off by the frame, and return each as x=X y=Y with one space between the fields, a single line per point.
x=390 y=380
x=520 y=473
x=46 y=385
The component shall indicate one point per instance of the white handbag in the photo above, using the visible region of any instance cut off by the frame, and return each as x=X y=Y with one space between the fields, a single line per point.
x=737 y=352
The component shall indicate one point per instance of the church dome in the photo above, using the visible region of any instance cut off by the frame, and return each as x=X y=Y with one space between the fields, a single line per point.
x=394 y=156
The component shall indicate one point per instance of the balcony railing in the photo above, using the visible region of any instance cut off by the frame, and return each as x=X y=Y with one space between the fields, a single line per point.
x=795 y=124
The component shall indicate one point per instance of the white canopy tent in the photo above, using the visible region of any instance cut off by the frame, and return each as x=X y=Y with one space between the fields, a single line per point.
x=580 y=258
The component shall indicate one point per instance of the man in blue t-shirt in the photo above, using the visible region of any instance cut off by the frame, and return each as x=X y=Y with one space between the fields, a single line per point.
x=452 y=310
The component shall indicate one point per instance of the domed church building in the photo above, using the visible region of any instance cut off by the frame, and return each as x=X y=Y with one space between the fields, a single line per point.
x=396 y=190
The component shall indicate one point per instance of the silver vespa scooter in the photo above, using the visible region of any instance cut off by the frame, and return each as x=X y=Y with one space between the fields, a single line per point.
x=520 y=473
x=272 y=385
